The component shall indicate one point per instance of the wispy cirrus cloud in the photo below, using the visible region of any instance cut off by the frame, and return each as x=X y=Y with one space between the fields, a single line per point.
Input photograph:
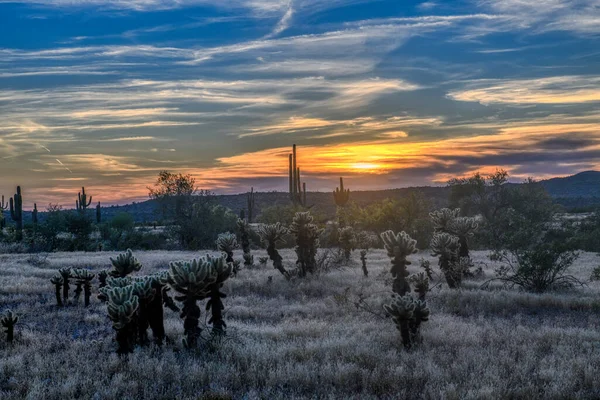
x=547 y=90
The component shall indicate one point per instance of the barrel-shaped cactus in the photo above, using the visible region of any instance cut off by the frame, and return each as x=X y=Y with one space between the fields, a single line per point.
x=122 y=308
x=124 y=264
x=271 y=236
x=398 y=247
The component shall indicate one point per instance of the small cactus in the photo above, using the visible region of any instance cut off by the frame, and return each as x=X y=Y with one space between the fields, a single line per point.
x=347 y=240
x=307 y=242
x=244 y=228
x=83 y=278
x=408 y=314
x=363 y=260
x=122 y=307
x=124 y=264
x=192 y=279
x=66 y=275
x=223 y=271
x=8 y=321
x=227 y=243
x=398 y=247
x=446 y=246
x=57 y=281
x=271 y=236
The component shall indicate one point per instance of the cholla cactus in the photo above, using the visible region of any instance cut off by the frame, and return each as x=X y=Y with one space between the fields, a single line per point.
x=271 y=236
x=223 y=270
x=463 y=227
x=84 y=278
x=227 y=242
x=102 y=276
x=399 y=246
x=66 y=275
x=244 y=229
x=441 y=219
x=193 y=280
x=307 y=242
x=144 y=290
x=347 y=240
x=57 y=281
x=122 y=308
x=445 y=246
x=408 y=314
x=8 y=321
x=421 y=282
x=363 y=260
x=124 y=264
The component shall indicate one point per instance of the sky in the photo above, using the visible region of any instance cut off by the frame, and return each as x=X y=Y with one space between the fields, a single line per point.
x=386 y=93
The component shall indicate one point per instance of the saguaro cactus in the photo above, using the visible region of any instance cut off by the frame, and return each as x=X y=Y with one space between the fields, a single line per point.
x=16 y=212
x=251 y=203
x=192 y=279
x=98 y=213
x=122 y=307
x=82 y=202
x=57 y=281
x=244 y=228
x=398 y=247
x=34 y=215
x=297 y=188
x=3 y=207
x=271 y=236
x=341 y=197
x=8 y=321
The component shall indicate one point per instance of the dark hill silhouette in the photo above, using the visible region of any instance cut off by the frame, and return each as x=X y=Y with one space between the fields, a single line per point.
x=579 y=192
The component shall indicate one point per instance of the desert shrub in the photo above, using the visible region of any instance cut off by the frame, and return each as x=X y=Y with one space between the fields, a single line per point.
x=123 y=221
x=80 y=226
x=538 y=268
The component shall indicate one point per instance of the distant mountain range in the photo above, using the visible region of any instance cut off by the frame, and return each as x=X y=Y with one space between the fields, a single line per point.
x=577 y=193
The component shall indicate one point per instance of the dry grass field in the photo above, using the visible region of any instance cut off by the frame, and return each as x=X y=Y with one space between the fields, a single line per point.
x=301 y=339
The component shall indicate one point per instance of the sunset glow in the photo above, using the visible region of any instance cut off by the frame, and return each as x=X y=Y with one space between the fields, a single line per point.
x=386 y=94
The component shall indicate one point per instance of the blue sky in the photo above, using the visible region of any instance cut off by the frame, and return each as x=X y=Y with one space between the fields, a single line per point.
x=106 y=93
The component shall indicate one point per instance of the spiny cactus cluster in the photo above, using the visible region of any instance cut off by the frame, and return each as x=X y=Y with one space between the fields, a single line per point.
x=398 y=247
x=406 y=312
x=124 y=264
x=244 y=229
x=271 y=236
x=227 y=243
x=446 y=247
x=8 y=320
x=307 y=242
x=122 y=307
x=449 y=221
x=347 y=240
x=83 y=281
x=196 y=280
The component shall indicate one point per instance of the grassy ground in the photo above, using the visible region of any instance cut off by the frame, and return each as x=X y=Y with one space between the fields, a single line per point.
x=303 y=339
